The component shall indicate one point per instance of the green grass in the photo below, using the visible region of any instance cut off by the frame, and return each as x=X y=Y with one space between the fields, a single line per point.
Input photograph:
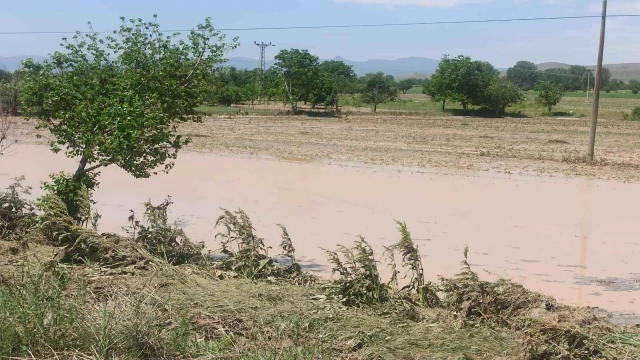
x=622 y=94
x=416 y=90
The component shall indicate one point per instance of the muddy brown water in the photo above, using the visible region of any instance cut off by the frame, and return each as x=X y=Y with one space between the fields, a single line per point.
x=575 y=239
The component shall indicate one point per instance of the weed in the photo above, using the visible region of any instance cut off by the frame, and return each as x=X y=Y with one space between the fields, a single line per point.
x=359 y=282
x=248 y=256
x=16 y=212
x=633 y=116
x=162 y=239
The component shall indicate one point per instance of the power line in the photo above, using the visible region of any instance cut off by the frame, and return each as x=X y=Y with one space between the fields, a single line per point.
x=341 y=26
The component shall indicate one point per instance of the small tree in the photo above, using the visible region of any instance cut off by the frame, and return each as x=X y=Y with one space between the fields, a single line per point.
x=524 y=74
x=299 y=70
x=119 y=99
x=549 y=95
x=378 y=89
x=343 y=77
x=405 y=85
x=503 y=93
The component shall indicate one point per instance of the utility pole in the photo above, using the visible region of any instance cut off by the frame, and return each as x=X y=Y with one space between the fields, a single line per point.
x=262 y=47
x=596 y=87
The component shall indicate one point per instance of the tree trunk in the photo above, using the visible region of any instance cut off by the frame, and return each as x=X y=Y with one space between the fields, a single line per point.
x=337 y=108
x=550 y=109
x=375 y=107
x=81 y=166
x=443 y=103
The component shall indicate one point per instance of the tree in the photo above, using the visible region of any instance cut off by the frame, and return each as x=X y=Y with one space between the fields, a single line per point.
x=272 y=84
x=605 y=77
x=299 y=70
x=442 y=86
x=119 y=99
x=9 y=95
x=343 y=77
x=5 y=75
x=549 y=94
x=461 y=79
x=228 y=95
x=405 y=85
x=324 y=90
x=252 y=91
x=502 y=93
x=524 y=74
x=378 y=89
x=634 y=86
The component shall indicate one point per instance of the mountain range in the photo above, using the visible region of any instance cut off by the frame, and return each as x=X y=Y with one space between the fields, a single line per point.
x=402 y=68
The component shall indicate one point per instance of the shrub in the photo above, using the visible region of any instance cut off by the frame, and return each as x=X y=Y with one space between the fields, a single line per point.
x=549 y=94
x=162 y=239
x=75 y=192
x=633 y=116
x=16 y=212
x=246 y=254
x=359 y=282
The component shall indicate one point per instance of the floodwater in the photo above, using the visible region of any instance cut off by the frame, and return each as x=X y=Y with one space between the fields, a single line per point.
x=575 y=239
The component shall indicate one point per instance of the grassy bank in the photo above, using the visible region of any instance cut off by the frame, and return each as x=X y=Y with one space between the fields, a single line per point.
x=70 y=292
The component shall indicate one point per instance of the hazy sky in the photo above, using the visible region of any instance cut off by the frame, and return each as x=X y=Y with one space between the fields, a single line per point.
x=569 y=41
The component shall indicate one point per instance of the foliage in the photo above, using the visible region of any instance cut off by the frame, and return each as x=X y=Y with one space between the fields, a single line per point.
x=503 y=93
x=325 y=90
x=549 y=94
x=634 y=86
x=343 y=76
x=118 y=99
x=75 y=192
x=524 y=74
x=229 y=95
x=9 y=96
x=163 y=239
x=299 y=70
x=16 y=212
x=405 y=85
x=576 y=77
x=462 y=80
x=377 y=89
x=248 y=256
x=5 y=132
x=359 y=282
x=633 y=116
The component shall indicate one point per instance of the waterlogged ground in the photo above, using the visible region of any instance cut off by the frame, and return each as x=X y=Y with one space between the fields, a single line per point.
x=573 y=238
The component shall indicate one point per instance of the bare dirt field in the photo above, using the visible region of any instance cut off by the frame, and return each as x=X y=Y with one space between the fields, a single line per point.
x=510 y=145
x=523 y=146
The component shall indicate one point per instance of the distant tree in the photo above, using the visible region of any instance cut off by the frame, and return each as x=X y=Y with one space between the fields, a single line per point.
x=442 y=86
x=299 y=70
x=119 y=99
x=229 y=94
x=524 y=74
x=549 y=94
x=501 y=94
x=634 y=86
x=325 y=90
x=273 y=84
x=252 y=91
x=405 y=85
x=343 y=76
x=605 y=77
x=5 y=75
x=9 y=95
x=378 y=88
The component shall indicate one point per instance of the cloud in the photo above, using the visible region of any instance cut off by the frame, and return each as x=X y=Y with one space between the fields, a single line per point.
x=426 y=3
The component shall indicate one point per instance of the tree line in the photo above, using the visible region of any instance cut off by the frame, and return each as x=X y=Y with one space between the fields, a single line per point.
x=526 y=76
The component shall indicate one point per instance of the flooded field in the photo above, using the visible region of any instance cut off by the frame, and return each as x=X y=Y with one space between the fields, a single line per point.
x=573 y=238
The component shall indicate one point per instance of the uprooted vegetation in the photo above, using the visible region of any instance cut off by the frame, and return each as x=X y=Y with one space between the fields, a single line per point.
x=70 y=292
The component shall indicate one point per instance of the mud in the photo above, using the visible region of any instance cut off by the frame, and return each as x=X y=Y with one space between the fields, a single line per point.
x=555 y=235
